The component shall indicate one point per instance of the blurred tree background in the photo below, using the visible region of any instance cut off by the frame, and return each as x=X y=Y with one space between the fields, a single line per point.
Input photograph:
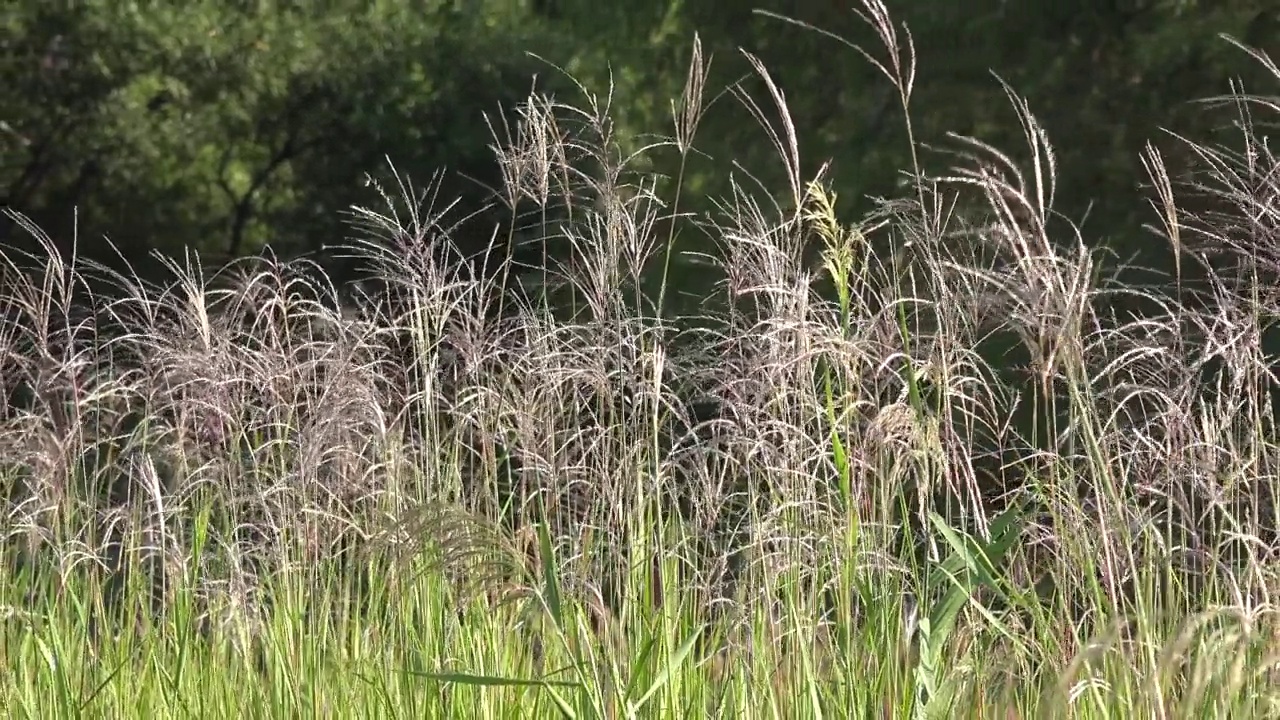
x=231 y=125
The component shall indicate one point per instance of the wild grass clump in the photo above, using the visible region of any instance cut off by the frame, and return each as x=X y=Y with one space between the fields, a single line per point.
x=923 y=465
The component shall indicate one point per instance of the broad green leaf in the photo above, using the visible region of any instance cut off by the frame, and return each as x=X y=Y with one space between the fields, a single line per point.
x=669 y=667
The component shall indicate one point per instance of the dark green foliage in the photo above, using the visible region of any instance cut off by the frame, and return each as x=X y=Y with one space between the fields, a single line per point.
x=203 y=125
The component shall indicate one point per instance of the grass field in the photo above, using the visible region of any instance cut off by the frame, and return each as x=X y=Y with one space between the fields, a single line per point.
x=822 y=493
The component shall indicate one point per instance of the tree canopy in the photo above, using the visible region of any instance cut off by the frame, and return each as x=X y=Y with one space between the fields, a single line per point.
x=227 y=126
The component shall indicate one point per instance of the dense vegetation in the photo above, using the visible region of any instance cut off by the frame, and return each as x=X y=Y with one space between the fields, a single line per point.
x=227 y=126
x=666 y=415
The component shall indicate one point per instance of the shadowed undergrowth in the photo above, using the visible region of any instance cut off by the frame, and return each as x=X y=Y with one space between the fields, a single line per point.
x=928 y=464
